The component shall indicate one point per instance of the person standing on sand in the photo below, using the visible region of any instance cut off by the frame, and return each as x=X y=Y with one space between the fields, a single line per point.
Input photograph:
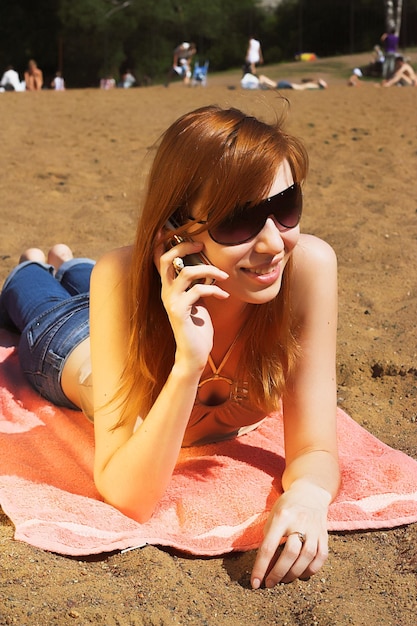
x=390 y=41
x=254 y=54
x=220 y=312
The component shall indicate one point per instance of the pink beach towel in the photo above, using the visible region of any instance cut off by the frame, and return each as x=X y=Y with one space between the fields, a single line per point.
x=217 y=501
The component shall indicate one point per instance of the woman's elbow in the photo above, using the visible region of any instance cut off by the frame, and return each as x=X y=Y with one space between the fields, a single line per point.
x=130 y=505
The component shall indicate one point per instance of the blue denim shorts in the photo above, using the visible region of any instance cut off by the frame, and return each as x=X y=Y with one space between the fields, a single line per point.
x=51 y=311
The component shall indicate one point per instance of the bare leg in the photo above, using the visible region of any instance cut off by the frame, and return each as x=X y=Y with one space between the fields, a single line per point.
x=267 y=82
x=312 y=84
x=304 y=86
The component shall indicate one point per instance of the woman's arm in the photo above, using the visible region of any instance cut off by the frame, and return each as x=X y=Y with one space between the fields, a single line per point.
x=311 y=478
x=39 y=79
x=133 y=468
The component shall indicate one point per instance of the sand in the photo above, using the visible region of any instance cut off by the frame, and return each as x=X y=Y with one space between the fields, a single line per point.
x=71 y=169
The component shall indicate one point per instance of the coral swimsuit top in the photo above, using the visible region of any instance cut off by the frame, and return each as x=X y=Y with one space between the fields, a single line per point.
x=212 y=423
x=208 y=423
x=225 y=419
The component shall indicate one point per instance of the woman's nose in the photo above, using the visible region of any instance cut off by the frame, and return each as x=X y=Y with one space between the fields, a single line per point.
x=270 y=238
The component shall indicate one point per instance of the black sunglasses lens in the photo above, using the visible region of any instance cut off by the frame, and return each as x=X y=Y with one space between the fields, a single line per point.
x=235 y=230
x=286 y=206
x=246 y=223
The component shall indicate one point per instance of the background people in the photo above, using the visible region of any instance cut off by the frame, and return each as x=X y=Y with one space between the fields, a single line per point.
x=127 y=80
x=354 y=78
x=10 y=80
x=58 y=82
x=404 y=74
x=33 y=77
x=390 y=41
x=182 y=62
x=107 y=83
x=251 y=81
x=254 y=54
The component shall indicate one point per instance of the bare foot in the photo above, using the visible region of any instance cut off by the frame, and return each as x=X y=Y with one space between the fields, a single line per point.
x=58 y=254
x=32 y=254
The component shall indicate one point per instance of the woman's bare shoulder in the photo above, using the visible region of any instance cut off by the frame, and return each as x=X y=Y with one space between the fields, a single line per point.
x=113 y=265
x=314 y=278
x=312 y=253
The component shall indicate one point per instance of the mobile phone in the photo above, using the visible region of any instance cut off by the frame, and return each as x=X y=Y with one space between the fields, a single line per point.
x=197 y=258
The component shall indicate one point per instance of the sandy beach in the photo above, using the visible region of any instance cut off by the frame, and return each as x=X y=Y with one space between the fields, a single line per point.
x=72 y=167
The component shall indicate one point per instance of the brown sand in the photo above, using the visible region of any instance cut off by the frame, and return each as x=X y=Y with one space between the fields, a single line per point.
x=71 y=165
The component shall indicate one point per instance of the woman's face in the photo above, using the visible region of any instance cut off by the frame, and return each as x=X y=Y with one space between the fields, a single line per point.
x=255 y=267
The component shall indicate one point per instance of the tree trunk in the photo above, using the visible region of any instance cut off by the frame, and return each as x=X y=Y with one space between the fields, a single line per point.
x=393 y=15
x=399 y=16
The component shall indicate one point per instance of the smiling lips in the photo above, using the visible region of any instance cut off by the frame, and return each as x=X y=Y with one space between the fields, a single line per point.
x=262 y=272
x=270 y=271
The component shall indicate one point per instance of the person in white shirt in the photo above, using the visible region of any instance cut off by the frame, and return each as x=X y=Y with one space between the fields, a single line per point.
x=128 y=80
x=254 y=55
x=58 y=82
x=10 y=80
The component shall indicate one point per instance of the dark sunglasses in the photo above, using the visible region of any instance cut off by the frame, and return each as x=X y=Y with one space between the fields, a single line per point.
x=247 y=222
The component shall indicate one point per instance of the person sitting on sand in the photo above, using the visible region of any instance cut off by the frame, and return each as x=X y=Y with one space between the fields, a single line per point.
x=354 y=78
x=128 y=80
x=33 y=77
x=199 y=329
x=404 y=75
x=10 y=80
x=58 y=82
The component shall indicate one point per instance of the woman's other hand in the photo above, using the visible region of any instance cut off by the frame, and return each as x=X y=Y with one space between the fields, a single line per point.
x=295 y=543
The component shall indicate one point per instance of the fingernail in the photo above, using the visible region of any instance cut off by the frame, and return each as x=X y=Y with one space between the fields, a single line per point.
x=256 y=583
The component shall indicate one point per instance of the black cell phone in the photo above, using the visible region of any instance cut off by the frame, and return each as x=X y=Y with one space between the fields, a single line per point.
x=191 y=259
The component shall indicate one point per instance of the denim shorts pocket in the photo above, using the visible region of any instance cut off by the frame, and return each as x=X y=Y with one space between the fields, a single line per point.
x=46 y=343
x=51 y=320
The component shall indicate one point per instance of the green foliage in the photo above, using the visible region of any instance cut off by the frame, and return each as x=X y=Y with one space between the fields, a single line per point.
x=81 y=14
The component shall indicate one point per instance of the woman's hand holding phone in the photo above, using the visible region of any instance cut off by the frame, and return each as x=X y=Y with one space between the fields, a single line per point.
x=190 y=259
x=183 y=297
